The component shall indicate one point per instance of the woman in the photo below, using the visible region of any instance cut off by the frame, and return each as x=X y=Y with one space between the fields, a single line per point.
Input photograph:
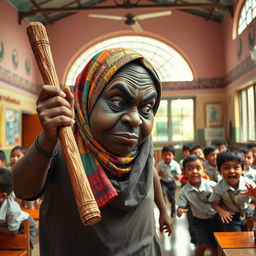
x=116 y=97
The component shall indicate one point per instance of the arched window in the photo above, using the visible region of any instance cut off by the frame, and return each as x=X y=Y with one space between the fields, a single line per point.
x=169 y=64
x=248 y=13
x=175 y=118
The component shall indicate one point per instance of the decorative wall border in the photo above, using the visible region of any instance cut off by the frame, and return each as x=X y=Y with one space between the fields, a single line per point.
x=240 y=70
x=17 y=81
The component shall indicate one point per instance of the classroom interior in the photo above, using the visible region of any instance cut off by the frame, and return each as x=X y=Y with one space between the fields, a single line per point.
x=208 y=88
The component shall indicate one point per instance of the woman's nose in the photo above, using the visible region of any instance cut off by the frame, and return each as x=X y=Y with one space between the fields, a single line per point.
x=132 y=117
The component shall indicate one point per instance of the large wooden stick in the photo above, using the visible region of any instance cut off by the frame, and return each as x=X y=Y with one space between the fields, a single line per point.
x=87 y=206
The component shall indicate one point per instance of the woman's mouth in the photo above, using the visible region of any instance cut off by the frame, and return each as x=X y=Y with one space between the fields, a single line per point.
x=129 y=138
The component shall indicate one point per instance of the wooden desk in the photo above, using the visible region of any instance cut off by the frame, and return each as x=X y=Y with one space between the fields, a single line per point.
x=33 y=213
x=240 y=252
x=234 y=240
x=13 y=253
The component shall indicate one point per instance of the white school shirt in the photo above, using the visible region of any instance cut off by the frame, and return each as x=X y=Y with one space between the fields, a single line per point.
x=212 y=172
x=250 y=174
x=191 y=195
x=11 y=215
x=171 y=169
x=221 y=194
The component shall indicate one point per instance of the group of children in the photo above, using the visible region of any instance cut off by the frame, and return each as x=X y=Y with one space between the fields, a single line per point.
x=11 y=214
x=217 y=189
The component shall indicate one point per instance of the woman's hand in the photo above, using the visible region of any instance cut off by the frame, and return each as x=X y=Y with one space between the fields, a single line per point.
x=55 y=109
x=165 y=223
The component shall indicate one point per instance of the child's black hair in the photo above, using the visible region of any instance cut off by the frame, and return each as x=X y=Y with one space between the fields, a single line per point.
x=5 y=181
x=194 y=147
x=209 y=149
x=221 y=142
x=244 y=150
x=251 y=145
x=229 y=155
x=2 y=155
x=186 y=147
x=22 y=149
x=168 y=149
x=192 y=158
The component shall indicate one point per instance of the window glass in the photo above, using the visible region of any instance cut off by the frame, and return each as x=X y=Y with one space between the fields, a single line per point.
x=174 y=121
x=247 y=114
x=169 y=64
x=248 y=13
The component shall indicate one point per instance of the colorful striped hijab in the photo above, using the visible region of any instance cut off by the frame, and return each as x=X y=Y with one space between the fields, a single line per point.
x=89 y=85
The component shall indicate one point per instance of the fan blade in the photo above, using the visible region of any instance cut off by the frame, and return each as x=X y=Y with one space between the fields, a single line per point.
x=152 y=15
x=104 y=16
x=137 y=27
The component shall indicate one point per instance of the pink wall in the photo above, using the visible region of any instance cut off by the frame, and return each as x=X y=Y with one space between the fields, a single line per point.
x=207 y=45
x=14 y=36
x=199 y=40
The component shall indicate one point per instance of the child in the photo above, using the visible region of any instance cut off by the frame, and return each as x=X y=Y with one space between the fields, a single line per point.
x=210 y=154
x=249 y=172
x=169 y=171
x=197 y=150
x=222 y=145
x=11 y=216
x=2 y=159
x=227 y=199
x=17 y=153
x=195 y=194
x=252 y=146
x=185 y=152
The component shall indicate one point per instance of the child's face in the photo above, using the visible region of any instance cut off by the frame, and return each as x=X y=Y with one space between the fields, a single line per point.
x=222 y=147
x=186 y=152
x=231 y=172
x=211 y=158
x=194 y=171
x=167 y=156
x=199 y=152
x=248 y=160
x=254 y=154
x=2 y=163
x=15 y=156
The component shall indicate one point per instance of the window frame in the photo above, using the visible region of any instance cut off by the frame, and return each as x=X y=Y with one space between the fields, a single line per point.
x=169 y=121
x=245 y=129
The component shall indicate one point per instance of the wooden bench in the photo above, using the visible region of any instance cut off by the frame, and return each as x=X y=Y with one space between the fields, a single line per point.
x=16 y=245
x=34 y=213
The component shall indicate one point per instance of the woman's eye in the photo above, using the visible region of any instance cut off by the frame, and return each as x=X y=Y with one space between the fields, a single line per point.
x=146 y=110
x=117 y=103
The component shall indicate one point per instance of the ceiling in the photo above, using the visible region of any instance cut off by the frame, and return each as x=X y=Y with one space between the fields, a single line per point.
x=50 y=11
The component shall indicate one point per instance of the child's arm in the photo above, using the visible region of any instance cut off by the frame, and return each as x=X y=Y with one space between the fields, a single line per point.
x=6 y=231
x=225 y=215
x=164 y=219
x=181 y=210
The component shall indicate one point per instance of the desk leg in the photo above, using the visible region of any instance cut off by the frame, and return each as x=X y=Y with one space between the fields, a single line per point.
x=220 y=251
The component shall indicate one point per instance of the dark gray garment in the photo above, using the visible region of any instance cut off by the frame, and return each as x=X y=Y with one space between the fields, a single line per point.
x=121 y=232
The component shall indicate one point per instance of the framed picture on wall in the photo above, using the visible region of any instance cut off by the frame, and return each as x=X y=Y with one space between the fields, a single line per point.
x=12 y=127
x=213 y=114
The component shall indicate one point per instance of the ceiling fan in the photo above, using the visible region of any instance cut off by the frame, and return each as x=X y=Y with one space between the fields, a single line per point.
x=132 y=20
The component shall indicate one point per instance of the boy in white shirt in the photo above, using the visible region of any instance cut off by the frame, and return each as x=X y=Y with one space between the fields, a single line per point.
x=210 y=155
x=195 y=194
x=249 y=172
x=229 y=198
x=169 y=171
x=11 y=215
